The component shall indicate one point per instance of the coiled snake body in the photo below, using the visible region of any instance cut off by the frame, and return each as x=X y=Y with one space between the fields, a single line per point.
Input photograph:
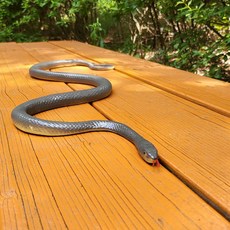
x=24 y=120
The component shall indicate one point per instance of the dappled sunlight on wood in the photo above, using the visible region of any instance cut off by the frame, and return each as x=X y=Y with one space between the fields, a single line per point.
x=139 y=88
x=207 y=82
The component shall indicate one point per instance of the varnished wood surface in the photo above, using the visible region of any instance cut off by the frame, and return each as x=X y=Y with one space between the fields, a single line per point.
x=97 y=180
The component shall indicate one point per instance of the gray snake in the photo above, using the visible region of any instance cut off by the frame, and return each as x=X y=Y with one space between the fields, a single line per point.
x=23 y=118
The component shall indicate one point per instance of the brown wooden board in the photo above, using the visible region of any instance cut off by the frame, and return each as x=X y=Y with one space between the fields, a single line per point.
x=92 y=180
x=193 y=140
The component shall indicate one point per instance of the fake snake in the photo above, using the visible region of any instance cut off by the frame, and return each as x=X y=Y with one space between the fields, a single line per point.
x=24 y=119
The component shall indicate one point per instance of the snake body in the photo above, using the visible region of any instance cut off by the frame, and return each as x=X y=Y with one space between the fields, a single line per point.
x=24 y=119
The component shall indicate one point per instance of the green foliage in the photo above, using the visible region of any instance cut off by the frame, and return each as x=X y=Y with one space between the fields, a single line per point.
x=188 y=34
x=96 y=33
x=200 y=42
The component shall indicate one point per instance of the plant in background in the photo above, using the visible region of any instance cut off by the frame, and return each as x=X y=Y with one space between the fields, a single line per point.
x=97 y=33
x=200 y=41
x=203 y=46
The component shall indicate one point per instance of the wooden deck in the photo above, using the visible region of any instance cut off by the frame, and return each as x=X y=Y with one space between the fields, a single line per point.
x=98 y=180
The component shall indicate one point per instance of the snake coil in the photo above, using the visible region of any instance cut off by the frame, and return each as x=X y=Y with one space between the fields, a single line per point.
x=24 y=119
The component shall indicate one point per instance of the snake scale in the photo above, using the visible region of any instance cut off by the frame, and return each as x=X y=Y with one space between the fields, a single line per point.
x=24 y=119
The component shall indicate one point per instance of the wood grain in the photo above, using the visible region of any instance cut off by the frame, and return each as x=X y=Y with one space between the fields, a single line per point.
x=210 y=93
x=193 y=141
x=93 y=180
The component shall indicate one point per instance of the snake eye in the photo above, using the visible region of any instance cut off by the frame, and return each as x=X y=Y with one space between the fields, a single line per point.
x=151 y=160
x=148 y=158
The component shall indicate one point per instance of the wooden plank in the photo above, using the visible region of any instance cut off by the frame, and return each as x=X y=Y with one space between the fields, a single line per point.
x=79 y=181
x=210 y=93
x=190 y=138
x=193 y=141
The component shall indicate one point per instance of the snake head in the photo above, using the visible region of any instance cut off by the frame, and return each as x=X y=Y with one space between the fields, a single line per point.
x=149 y=152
